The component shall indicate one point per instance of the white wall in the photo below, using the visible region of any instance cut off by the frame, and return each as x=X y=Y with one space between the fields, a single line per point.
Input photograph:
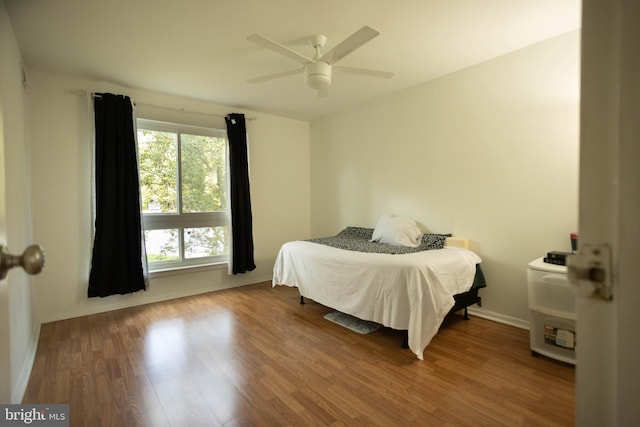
x=60 y=153
x=18 y=329
x=489 y=153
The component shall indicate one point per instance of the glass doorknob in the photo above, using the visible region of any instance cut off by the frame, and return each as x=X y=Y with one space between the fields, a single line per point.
x=31 y=260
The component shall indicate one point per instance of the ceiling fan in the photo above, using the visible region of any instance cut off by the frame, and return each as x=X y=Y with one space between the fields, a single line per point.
x=318 y=69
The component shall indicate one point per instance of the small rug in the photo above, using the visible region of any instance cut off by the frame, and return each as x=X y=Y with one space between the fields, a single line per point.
x=353 y=323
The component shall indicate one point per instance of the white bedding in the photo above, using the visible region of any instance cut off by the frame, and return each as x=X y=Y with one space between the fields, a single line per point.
x=411 y=292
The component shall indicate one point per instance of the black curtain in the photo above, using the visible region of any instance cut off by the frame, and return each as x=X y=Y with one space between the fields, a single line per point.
x=241 y=219
x=116 y=265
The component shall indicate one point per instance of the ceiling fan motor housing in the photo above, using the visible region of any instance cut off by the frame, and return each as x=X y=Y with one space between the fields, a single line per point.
x=318 y=74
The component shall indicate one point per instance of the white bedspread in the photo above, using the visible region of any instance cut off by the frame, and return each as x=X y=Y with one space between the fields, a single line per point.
x=411 y=292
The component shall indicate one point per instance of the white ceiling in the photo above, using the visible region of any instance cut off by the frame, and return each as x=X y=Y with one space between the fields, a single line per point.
x=198 y=48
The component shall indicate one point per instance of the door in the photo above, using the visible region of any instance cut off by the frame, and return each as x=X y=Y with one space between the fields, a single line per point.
x=5 y=355
x=607 y=372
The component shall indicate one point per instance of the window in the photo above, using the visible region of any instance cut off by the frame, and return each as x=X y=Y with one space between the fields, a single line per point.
x=183 y=192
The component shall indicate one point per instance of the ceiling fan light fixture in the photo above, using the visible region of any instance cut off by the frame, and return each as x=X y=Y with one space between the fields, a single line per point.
x=318 y=75
x=317 y=70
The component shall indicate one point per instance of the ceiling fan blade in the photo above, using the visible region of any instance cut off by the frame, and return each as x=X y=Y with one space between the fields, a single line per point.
x=277 y=47
x=349 y=44
x=275 y=76
x=364 y=71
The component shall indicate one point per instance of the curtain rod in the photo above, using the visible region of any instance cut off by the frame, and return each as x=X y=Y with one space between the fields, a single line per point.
x=179 y=110
x=183 y=110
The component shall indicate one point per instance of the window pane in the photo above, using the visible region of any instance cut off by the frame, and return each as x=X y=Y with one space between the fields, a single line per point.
x=157 y=152
x=203 y=173
x=205 y=241
x=162 y=245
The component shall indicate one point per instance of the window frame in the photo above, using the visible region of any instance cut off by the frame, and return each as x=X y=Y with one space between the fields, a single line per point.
x=180 y=220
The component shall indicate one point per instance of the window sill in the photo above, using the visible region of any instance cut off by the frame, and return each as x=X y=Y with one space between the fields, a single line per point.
x=173 y=271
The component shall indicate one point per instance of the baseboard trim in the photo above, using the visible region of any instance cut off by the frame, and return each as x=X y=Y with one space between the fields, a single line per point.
x=17 y=394
x=149 y=299
x=500 y=318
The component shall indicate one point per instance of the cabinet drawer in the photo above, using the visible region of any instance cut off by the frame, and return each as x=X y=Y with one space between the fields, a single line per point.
x=550 y=291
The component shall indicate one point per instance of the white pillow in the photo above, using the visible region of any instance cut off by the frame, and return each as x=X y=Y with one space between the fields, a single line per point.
x=396 y=231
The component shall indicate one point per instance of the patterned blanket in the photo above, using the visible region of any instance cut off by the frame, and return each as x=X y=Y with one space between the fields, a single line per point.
x=359 y=239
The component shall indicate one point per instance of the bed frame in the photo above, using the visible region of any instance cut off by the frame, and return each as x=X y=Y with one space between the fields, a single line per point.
x=463 y=301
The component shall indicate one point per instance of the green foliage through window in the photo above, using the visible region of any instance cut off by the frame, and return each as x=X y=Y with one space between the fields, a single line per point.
x=203 y=173
x=183 y=192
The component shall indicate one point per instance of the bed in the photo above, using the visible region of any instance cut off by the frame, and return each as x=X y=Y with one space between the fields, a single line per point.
x=409 y=289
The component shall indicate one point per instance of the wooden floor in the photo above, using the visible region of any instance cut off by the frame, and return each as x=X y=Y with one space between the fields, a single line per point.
x=253 y=356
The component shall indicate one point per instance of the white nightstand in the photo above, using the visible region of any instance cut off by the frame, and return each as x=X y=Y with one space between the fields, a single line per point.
x=552 y=323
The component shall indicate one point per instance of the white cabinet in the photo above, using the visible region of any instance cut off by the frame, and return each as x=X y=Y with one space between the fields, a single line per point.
x=552 y=323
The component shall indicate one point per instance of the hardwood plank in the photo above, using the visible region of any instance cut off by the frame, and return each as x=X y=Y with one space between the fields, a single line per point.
x=253 y=356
